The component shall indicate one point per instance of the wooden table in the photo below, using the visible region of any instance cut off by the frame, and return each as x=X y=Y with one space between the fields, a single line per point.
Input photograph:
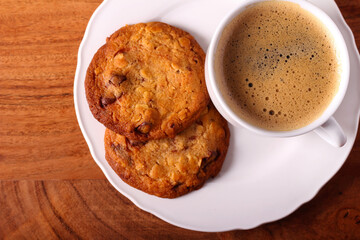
x=50 y=186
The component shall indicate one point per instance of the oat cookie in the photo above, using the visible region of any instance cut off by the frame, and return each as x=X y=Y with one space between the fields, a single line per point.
x=171 y=167
x=147 y=81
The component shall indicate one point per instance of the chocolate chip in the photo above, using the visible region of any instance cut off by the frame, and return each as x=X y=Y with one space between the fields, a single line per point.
x=144 y=127
x=113 y=146
x=134 y=143
x=118 y=147
x=206 y=161
x=117 y=79
x=120 y=150
x=192 y=138
x=199 y=122
x=107 y=100
x=178 y=184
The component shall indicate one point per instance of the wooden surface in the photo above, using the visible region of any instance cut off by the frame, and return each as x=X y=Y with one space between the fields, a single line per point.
x=50 y=186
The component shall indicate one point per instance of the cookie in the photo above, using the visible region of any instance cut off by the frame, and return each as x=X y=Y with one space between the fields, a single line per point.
x=171 y=167
x=147 y=81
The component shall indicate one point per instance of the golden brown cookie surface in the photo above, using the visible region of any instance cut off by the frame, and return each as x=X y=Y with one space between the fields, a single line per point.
x=171 y=167
x=147 y=81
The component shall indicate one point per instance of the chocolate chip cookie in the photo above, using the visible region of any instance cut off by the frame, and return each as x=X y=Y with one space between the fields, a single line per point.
x=147 y=81
x=171 y=167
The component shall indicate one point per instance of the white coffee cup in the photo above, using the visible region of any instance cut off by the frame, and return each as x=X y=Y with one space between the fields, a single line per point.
x=325 y=126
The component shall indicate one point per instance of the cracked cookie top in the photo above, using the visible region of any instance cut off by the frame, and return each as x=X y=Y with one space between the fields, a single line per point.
x=171 y=167
x=147 y=81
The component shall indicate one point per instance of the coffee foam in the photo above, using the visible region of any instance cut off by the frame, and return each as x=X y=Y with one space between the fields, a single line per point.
x=278 y=65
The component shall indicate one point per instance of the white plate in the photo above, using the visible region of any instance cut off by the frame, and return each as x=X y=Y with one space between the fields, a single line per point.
x=263 y=179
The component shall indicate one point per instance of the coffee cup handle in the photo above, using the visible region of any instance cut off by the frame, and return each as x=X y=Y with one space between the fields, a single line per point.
x=332 y=132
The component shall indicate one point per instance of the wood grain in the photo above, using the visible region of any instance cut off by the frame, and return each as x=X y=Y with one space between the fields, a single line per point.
x=51 y=188
x=39 y=134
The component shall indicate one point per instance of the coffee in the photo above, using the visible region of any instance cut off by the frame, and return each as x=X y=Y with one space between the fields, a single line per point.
x=278 y=66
